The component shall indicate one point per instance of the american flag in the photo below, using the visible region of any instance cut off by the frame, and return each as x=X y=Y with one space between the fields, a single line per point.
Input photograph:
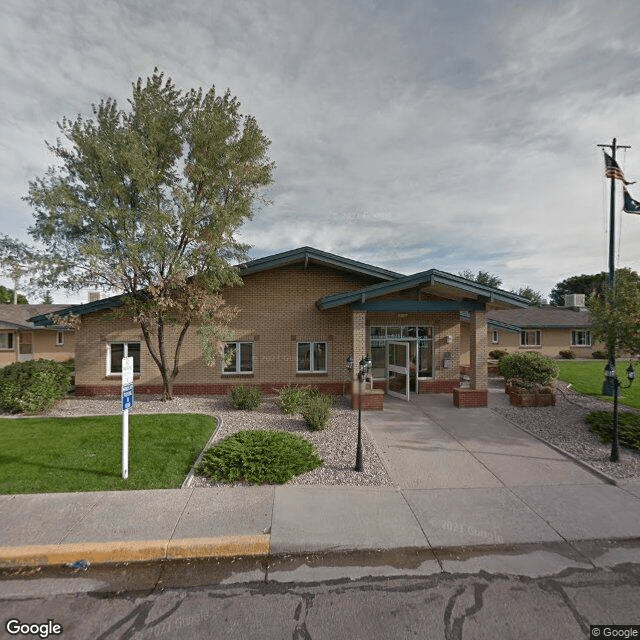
x=612 y=170
x=630 y=205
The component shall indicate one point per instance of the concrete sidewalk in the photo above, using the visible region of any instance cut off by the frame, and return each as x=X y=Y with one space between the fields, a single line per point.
x=464 y=479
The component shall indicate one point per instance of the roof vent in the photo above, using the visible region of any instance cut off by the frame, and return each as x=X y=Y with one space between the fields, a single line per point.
x=94 y=296
x=574 y=300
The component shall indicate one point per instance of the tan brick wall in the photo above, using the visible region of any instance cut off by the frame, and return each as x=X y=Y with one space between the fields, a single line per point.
x=277 y=310
x=43 y=347
x=478 y=350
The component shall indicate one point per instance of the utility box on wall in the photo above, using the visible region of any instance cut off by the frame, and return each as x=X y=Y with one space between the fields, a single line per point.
x=447 y=360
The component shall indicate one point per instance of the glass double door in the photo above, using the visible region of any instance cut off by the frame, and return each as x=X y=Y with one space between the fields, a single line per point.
x=399 y=374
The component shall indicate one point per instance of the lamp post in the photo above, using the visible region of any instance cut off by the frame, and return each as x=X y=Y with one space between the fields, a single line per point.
x=611 y=375
x=365 y=365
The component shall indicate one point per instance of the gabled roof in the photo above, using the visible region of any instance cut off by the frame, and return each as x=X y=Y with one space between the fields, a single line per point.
x=431 y=278
x=42 y=318
x=309 y=254
x=543 y=318
x=18 y=316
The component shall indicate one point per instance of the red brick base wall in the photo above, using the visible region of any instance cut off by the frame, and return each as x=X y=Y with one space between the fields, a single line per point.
x=369 y=401
x=438 y=386
x=332 y=388
x=470 y=398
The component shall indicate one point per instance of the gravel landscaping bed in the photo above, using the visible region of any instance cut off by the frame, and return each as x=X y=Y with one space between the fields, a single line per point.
x=336 y=444
x=563 y=425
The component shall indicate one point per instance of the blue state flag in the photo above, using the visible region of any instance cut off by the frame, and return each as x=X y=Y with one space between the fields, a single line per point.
x=630 y=205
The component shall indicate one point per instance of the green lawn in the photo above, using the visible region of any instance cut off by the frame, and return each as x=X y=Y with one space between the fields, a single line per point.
x=48 y=455
x=587 y=377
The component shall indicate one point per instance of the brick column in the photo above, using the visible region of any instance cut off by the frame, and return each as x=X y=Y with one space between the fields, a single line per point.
x=359 y=346
x=478 y=349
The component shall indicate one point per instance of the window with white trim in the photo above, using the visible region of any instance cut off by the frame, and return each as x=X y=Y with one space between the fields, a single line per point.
x=118 y=350
x=531 y=338
x=580 y=338
x=495 y=336
x=6 y=340
x=312 y=357
x=238 y=357
x=59 y=338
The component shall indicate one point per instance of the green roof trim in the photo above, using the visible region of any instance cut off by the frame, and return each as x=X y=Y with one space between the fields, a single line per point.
x=309 y=254
x=113 y=302
x=432 y=276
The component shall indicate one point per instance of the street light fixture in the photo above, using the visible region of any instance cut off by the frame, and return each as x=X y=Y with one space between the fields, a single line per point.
x=365 y=365
x=611 y=375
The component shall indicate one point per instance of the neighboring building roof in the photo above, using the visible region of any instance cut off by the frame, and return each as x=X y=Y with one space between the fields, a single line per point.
x=17 y=316
x=542 y=318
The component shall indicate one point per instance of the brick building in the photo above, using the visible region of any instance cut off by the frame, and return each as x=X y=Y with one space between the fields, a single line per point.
x=301 y=314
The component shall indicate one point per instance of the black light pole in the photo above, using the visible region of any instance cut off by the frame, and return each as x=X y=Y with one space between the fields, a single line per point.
x=610 y=374
x=365 y=365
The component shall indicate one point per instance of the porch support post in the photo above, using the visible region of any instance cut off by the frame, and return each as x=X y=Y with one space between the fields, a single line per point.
x=478 y=349
x=359 y=351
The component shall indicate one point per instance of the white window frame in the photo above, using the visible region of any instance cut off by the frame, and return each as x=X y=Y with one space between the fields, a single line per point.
x=524 y=335
x=10 y=338
x=587 y=335
x=126 y=344
x=495 y=336
x=59 y=338
x=312 y=368
x=237 y=348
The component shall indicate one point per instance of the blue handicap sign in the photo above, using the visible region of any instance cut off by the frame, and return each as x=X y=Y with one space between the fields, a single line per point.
x=127 y=398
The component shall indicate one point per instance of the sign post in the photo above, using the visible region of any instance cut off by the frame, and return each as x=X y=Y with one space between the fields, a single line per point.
x=127 y=403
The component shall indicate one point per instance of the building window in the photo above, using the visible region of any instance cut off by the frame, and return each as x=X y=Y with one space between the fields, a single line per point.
x=238 y=357
x=530 y=338
x=312 y=357
x=495 y=337
x=59 y=338
x=118 y=350
x=580 y=338
x=6 y=340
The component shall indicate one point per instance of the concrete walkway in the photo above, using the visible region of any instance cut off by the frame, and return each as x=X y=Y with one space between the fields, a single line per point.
x=463 y=478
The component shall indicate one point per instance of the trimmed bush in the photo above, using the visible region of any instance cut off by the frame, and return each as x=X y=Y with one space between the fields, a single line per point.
x=317 y=412
x=497 y=354
x=290 y=399
x=600 y=355
x=601 y=423
x=529 y=366
x=245 y=398
x=33 y=386
x=259 y=457
x=567 y=354
x=295 y=399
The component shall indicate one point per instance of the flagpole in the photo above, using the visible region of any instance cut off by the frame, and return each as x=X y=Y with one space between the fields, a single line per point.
x=608 y=386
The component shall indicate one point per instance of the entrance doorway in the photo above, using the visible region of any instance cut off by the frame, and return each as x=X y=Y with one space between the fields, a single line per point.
x=398 y=369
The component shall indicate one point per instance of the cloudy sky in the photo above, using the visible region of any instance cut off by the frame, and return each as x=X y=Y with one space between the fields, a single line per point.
x=411 y=135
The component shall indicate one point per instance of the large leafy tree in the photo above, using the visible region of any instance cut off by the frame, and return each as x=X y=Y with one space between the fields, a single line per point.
x=146 y=201
x=615 y=312
x=535 y=297
x=583 y=283
x=7 y=296
x=482 y=277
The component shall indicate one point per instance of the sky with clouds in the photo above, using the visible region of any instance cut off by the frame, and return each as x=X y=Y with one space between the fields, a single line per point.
x=411 y=135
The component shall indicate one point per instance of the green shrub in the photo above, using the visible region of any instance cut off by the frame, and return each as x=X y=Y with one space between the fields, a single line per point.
x=290 y=399
x=294 y=399
x=567 y=354
x=33 y=386
x=317 y=411
x=245 y=398
x=497 y=354
x=600 y=355
x=259 y=457
x=529 y=366
x=601 y=423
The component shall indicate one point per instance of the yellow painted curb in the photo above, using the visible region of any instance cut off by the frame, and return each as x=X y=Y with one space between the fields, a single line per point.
x=134 y=551
x=221 y=547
